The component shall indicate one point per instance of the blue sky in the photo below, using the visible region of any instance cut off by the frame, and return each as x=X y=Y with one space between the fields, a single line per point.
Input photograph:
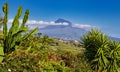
x=104 y=14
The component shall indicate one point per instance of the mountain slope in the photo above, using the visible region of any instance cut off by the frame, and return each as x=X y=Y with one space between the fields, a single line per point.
x=66 y=32
x=63 y=29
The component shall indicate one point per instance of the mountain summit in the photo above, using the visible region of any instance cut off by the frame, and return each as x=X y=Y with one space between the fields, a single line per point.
x=60 y=20
x=62 y=29
x=66 y=32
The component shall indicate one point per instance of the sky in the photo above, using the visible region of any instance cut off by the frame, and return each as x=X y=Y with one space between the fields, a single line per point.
x=103 y=14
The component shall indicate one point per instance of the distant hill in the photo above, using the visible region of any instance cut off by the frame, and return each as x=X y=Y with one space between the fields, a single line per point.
x=116 y=39
x=66 y=32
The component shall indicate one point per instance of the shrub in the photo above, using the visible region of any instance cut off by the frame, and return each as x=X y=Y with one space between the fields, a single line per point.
x=114 y=57
x=96 y=45
x=53 y=66
x=22 y=61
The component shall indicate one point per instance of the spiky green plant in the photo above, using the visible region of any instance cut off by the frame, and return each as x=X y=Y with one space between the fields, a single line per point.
x=96 y=45
x=1 y=20
x=16 y=33
x=114 y=57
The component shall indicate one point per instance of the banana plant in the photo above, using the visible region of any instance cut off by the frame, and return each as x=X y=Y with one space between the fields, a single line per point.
x=16 y=34
x=1 y=20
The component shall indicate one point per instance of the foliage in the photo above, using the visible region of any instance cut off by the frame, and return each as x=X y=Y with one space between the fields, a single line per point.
x=1 y=20
x=45 y=40
x=1 y=38
x=35 y=53
x=28 y=57
x=38 y=34
x=101 y=52
x=53 y=66
x=16 y=34
x=1 y=54
x=21 y=60
x=114 y=57
x=93 y=41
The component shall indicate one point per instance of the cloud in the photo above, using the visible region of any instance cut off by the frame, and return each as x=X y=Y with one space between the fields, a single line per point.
x=39 y=22
x=84 y=26
x=42 y=24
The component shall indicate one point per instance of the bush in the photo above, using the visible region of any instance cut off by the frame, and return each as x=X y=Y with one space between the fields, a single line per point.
x=53 y=66
x=114 y=57
x=22 y=60
x=102 y=53
x=96 y=45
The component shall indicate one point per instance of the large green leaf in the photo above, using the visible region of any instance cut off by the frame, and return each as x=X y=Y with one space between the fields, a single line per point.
x=5 y=10
x=30 y=33
x=1 y=54
x=16 y=34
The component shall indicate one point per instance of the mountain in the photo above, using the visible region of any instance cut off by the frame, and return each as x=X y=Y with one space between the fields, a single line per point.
x=114 y=38
x=63 y=21
x=63 y=29
x=63 y=24
x=66 y=32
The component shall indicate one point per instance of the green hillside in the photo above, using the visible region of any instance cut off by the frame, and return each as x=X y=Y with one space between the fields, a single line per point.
x=50 y=57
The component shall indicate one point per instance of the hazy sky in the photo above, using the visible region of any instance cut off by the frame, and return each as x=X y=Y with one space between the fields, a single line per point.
x=104 y=14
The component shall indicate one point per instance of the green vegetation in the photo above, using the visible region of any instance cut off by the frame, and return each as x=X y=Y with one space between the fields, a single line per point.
x=1 y=21
x=31 y=56
x=15 y=35
x=102 y=53
x=96 y=45
x=20 y=51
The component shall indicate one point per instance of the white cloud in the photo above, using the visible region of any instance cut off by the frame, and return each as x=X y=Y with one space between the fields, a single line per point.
x=84 y=26
x=41 y=23
x=10 y=21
